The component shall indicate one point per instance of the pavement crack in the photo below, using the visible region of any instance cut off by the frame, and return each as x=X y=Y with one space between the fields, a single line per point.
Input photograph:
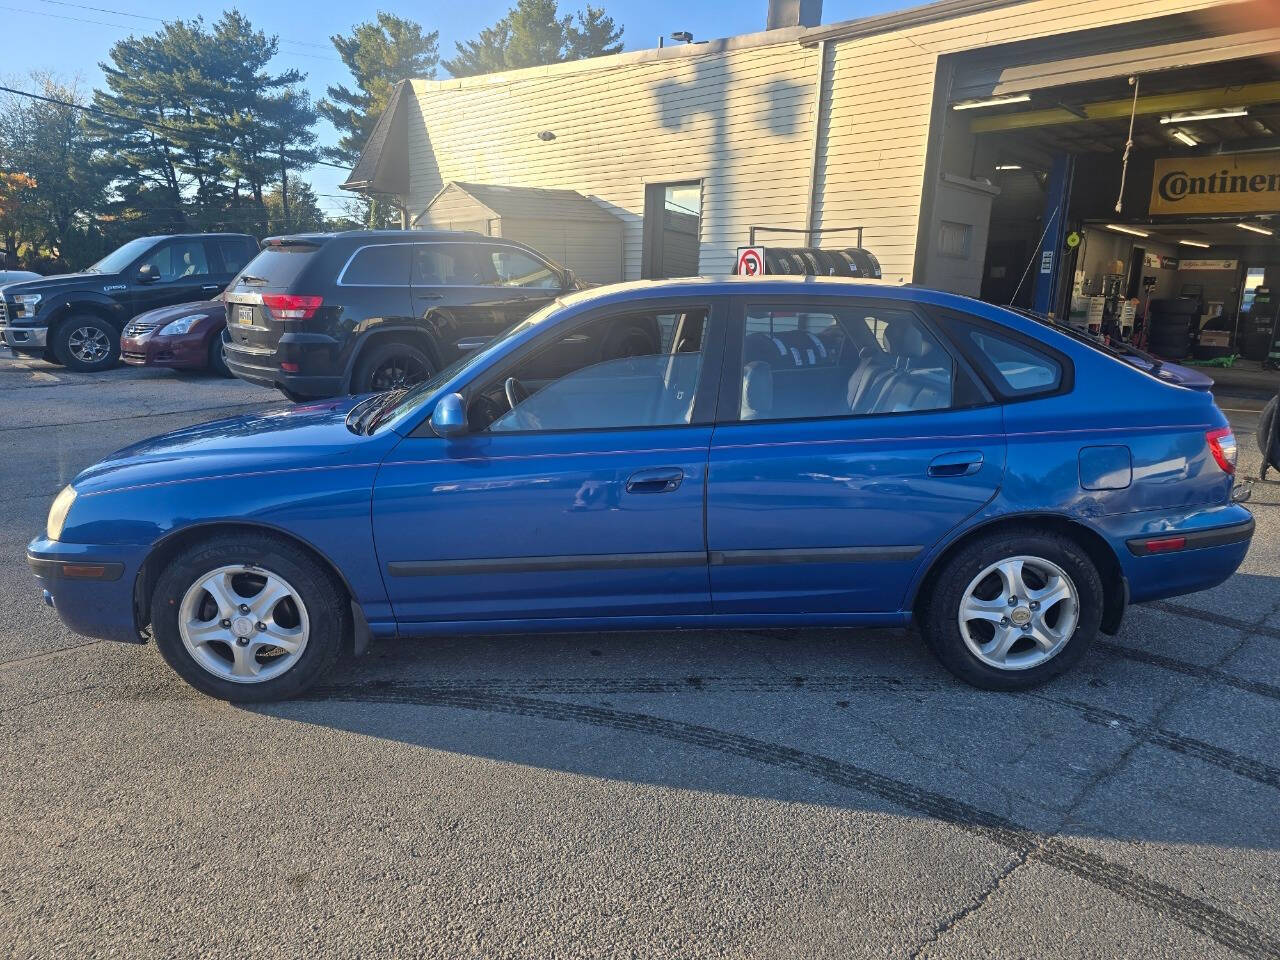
x=946 y=924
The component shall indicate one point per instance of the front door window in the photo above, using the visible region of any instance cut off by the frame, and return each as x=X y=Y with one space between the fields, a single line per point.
x=626 y=371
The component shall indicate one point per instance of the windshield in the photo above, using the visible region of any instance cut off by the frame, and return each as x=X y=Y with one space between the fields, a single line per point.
x=417 y=396
x=121 y=257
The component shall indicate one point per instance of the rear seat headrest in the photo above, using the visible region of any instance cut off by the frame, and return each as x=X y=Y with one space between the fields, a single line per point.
x=905 y=339
x=757 y=390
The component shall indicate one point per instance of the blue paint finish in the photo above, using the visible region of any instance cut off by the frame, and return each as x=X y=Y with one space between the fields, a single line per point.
x=1107 y=467
x=920 y=481
x=856 y=482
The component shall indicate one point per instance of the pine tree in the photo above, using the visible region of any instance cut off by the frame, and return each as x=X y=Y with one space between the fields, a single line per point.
x=534 y=33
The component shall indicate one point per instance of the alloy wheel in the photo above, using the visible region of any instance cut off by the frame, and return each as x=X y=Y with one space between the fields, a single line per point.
x=244 y=624
x=89 y=344
x=396 y=372
x=1019 y=613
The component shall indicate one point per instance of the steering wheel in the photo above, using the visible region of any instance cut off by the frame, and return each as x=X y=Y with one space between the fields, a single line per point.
x=517 y=393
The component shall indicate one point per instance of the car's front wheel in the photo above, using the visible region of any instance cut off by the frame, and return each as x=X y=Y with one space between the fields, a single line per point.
x=1013 y=609
x=248 y=618
x=87 y=344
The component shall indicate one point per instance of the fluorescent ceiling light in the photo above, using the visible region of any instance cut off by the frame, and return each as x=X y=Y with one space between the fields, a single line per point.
x=1008 y=166
x=1129 y=230
x=1252 y=229
x=1186 y=138
x=993 y=102
x=1212 y=115
x=1194 y=243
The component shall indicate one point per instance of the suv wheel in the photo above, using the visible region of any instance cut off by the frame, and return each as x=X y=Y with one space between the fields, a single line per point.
x=1014 y=609
x=389 y=366
x=87 y=344
x=248 y=618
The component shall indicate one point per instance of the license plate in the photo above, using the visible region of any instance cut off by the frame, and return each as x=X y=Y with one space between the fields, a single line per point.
x=244 y=315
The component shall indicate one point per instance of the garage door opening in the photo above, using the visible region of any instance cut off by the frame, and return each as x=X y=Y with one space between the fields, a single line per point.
x=672 y=229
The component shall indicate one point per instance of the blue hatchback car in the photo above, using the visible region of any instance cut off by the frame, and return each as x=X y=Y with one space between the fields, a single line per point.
x=699 y=453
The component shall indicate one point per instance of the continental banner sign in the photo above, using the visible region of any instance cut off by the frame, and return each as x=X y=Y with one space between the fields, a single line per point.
x=1232 y=183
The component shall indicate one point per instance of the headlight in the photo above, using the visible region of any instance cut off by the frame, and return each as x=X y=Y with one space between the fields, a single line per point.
x=26 y=304
x=58 y=512
x=181 y=325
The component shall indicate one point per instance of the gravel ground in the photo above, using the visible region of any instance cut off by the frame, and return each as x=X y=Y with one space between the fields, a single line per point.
x=767 y=794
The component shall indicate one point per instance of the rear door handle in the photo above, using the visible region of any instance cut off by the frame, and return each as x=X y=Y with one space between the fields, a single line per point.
x=963 y=463
x=430 y=296
x=658 y=480
x=211 y=286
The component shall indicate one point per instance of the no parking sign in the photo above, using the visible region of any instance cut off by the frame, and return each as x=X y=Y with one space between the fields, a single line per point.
x=750 y=262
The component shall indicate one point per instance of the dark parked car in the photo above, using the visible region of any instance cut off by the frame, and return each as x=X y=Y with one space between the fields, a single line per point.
x=794 y=452
x=317 y=315
x=185 y=337
x=76 y=319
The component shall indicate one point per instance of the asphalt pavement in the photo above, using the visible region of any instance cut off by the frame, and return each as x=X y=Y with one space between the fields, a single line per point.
x=820 y=793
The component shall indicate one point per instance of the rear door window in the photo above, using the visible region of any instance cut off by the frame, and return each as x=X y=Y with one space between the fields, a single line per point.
x=235 y=254
x=449 y=265
x=385 y=265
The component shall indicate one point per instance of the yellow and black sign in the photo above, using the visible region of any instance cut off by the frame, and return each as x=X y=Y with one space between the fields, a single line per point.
x=1233 y=183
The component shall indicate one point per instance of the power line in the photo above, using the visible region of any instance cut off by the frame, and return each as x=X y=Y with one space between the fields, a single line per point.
x=144 y=123
x=121 y=26
x=144 y=16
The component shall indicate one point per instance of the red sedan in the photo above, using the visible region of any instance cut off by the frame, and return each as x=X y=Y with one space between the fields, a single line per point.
x=187 y=337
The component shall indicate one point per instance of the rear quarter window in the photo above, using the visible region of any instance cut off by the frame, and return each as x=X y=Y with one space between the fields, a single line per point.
x=1016 y=368
x=386 y=265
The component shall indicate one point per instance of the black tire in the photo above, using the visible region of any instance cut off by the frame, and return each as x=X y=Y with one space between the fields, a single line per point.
x=295 y=397
x=1266 y=422
x=387 y=366
x=86 y=344
x=1175 y=307
x=217 y=359
x=939 y=614
x=324 y=598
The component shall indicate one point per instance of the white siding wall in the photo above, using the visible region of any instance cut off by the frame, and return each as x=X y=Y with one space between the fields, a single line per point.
x=739 y=120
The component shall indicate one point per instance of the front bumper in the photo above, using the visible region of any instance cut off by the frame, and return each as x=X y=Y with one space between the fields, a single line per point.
x=25 y=339
x=91 y=587
x=188 y=352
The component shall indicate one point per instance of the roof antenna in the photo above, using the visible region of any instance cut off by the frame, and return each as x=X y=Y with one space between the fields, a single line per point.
x=1134 y=82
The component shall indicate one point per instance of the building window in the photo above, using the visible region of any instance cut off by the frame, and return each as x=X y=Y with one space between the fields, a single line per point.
x=672 y=229
x=954 y=239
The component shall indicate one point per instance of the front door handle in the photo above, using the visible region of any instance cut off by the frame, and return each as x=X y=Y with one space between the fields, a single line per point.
x=210 y=286
x=964 y=463
x=658 y=480
x=430 y=296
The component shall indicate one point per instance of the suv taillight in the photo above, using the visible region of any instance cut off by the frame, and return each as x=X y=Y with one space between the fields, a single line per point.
x=289 y=306
x=1222 y=444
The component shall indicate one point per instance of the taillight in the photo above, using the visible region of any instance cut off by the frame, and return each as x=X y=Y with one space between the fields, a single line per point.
x=1222 y=444
x=289 y=306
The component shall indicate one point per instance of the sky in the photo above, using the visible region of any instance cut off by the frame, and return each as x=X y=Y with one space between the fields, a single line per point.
x=70 y=39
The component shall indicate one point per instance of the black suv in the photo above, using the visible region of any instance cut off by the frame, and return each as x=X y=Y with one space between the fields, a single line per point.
x=75 y=319
x=317 y=315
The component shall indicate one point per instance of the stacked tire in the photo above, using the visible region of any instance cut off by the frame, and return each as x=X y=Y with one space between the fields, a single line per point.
x=1172 y=324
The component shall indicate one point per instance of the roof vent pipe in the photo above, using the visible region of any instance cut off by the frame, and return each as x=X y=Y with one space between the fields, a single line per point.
x=794 y=13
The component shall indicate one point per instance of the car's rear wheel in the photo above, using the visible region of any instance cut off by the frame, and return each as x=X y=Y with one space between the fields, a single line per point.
x=87 y=344
x=389 y=366
x=1013 y=609
x=248 y=618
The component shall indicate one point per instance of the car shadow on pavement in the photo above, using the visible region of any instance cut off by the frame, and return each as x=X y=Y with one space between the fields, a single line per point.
x=1127 y=747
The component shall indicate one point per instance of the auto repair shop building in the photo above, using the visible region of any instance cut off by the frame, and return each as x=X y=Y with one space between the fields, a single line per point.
x=978 y=144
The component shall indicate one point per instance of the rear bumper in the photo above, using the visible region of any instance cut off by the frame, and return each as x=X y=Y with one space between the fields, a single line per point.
x=91 y=587
x=310 y=352
x=1167 y=555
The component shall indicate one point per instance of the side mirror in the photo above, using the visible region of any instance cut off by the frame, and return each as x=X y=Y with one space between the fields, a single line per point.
x=569 y=281
x=147 y=273
x=449 y=419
